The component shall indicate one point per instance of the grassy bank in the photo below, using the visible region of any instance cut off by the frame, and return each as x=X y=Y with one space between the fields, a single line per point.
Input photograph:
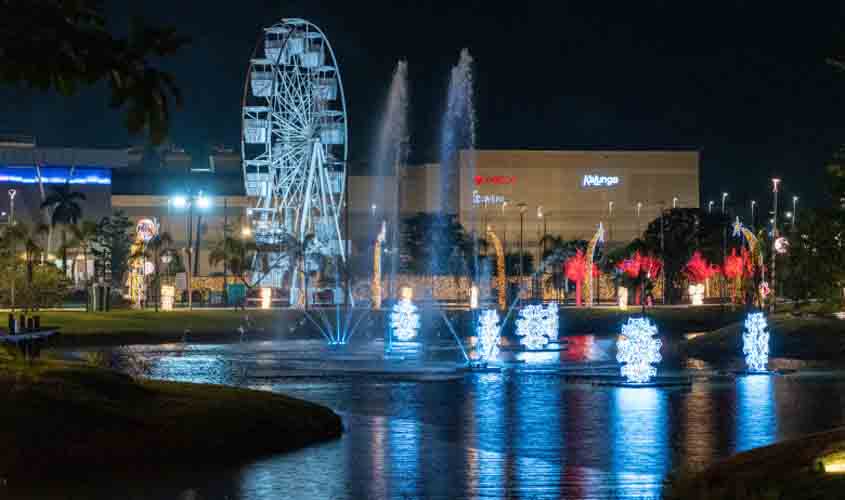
x=784 y=470
x=813 y=338
x=145 y=327
x=61 y=419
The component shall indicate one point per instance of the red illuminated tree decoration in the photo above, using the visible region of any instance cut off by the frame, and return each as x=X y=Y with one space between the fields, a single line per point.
x=736 y=268
x=574 y=270
x=640 y=267
x=698 y=270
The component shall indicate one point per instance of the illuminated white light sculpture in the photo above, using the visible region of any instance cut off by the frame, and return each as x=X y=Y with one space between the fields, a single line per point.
x=623 y=298
x=638 y=349
x=537 y=325
x=404 y=320
x=755 y=342
x=488 y=334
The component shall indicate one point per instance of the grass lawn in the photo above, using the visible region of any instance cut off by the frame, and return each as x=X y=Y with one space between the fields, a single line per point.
x=69 y=420
x=128 y=326
x=813 y=338
x=780 y=471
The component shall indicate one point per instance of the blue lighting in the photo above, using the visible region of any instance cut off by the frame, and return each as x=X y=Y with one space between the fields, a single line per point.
x=56 y=175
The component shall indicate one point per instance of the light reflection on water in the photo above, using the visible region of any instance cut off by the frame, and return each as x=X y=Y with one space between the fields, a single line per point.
x=518 y=433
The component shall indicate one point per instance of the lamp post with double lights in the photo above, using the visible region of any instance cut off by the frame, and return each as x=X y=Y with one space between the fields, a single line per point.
x=181 y=202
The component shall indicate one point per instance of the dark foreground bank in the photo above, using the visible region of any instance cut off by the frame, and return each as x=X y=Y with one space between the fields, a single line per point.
x=62 y=420
x=793 y=469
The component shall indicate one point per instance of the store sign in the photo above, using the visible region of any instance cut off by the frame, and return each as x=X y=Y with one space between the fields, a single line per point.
x=600 y=181
x=494 y=179
x=487 y=199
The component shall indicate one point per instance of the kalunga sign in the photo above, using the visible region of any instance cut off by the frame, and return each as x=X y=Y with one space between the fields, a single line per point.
x=599 y=181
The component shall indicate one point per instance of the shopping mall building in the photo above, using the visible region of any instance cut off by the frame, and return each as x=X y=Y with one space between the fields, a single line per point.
x=515 y=193
x=531 y=193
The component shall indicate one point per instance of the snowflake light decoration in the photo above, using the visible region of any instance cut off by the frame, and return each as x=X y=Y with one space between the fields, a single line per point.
x=638 y=349
x=404 y=320
x=537 y=325
x=488 y=334
x=755 y=342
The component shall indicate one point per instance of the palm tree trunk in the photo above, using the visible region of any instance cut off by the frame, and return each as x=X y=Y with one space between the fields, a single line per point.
x=64 y=252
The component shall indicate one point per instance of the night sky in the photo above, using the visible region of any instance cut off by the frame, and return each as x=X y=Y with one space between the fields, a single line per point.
x=744 y=82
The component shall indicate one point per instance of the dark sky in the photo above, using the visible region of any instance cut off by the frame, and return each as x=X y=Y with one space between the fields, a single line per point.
x=744 y=82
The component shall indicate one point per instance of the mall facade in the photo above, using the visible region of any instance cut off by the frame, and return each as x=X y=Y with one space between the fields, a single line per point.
x=522 y=195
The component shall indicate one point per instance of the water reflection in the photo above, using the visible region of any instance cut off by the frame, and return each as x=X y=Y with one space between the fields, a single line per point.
x=756 y=412
x=519 y=433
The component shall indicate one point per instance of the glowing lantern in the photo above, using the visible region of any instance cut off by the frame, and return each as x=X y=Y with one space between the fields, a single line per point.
x=168 y=293
x=266 y=297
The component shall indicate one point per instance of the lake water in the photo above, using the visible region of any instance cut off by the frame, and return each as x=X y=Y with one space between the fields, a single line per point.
x=526 y=432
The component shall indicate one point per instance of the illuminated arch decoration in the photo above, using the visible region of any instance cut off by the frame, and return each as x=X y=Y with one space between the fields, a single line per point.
x=404 y=320
x=376 y=286
x=637 y=349
x=755 y=342
x=500 y=268
x=488 y=333
x=588 y=268
x=537 y=325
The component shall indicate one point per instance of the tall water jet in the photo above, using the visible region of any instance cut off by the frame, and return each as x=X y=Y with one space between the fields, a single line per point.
x=457 y=134
x=389 y=156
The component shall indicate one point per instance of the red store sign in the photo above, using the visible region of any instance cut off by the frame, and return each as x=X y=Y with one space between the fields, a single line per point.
x=494 y=179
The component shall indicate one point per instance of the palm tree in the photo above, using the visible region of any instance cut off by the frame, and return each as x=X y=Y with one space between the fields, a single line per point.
x=237 y=254
x=66 y=212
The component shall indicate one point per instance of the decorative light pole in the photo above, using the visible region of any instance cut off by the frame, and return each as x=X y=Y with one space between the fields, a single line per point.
x=775 y=183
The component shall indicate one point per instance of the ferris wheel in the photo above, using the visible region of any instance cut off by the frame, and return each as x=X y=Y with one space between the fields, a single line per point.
x=294 y=147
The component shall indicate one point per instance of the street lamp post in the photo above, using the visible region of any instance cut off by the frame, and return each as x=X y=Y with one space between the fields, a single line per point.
x=639 y=226
x=12 y=194
x=522 y=208
x=724 y=197
x=753 y=220
x=674 y=202
x=794 y=211
x=710 y=207
x=775 y=183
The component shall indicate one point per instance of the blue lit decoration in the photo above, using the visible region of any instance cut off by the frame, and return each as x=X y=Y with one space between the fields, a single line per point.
x=56 y=175
x=755 y=342
x=638 y=349
x=488 y=335
x=404 y=320
x=537 y=325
